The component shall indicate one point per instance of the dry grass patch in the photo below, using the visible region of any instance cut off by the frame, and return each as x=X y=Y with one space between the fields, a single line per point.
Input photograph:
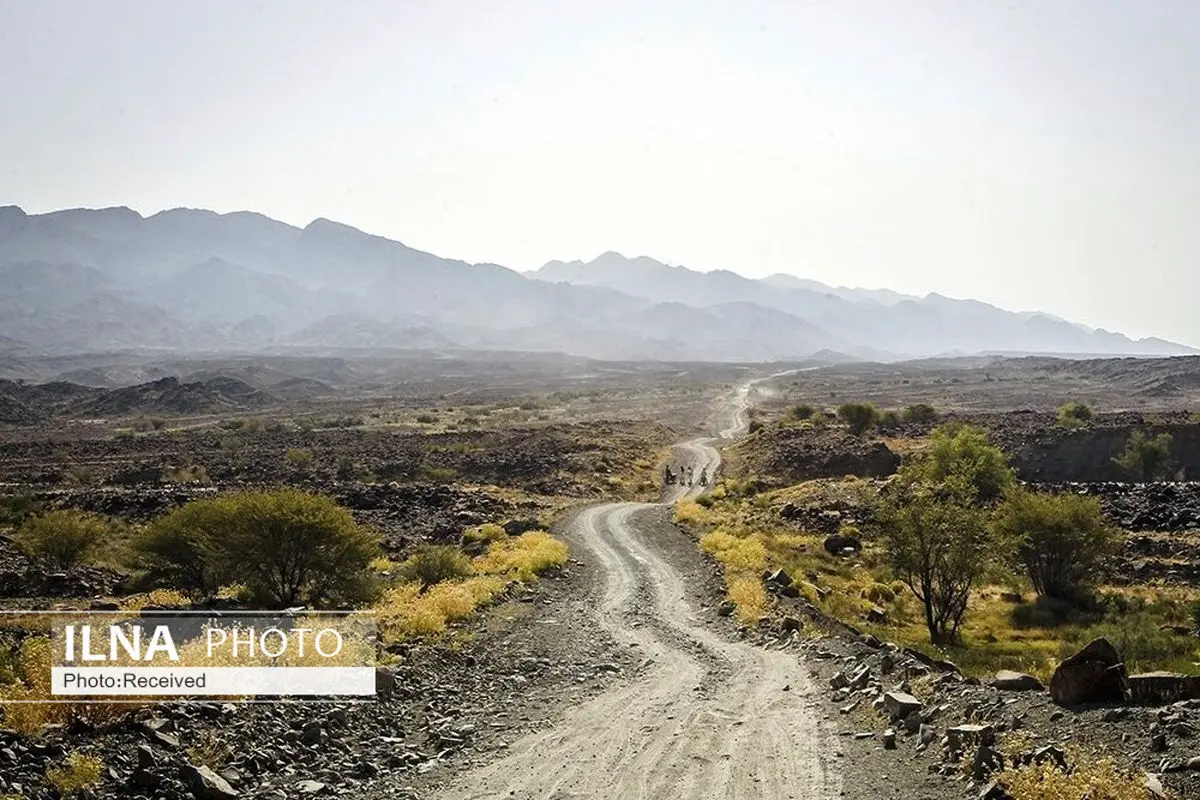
x=80 y=772
x=1099 y=780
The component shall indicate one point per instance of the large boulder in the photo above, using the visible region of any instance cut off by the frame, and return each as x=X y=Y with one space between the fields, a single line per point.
x=204 y=784
x=1096 y=674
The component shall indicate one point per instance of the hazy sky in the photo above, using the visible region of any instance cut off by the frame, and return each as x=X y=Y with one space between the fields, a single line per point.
x=1034 y=154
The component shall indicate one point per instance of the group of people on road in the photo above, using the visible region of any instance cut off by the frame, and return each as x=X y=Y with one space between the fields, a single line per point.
x=686 y=476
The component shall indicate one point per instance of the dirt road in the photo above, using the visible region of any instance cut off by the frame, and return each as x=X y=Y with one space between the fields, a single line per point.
x=708 y=717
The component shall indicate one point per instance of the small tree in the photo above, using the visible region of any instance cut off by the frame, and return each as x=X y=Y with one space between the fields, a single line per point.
x=963 y=454
x=1060 y=540
x=1073 y=415
x=940 y=547
x=800 y=412
x=860 y=417
x=65 y=537
x=287 y=547
x=1148 y=459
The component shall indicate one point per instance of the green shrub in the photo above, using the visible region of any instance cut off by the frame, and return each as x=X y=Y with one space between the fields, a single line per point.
x=432 y=564
x=889 y=418
x=79 y=773
x=800 y=412
x=65 y=537
x=860 y=417
x=1061 y=541
x=1073 y=415
x=426 y=419
x=920 y=413
x=1145 y=458
x=300 y=458
x=962 y=456
x=285 y=546
x=15 y=509
x=435 y=474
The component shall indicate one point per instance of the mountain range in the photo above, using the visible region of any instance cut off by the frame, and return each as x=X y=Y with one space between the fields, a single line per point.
x=184 y=280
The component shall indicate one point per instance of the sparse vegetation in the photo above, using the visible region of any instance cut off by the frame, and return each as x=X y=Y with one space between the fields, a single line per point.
x=431 y=564
x=81 y=771
x=64 y=537
x=285 y=546
x=1097 y=781
x=1074 y=415
x=1061 y=541
x=300 y=458
x=920 y=413
x=1146 y=458
x=962 y=456
x=859 y=417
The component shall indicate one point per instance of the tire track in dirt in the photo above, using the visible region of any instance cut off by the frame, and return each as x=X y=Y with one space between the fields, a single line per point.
x=707 y=719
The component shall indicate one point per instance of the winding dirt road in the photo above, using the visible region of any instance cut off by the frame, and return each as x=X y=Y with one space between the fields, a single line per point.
x=707 y=719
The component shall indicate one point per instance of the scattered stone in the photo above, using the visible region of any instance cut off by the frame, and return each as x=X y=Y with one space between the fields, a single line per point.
x=889 y=739
x=1016 y=681
x=1163 y=688
x=898 y=705
x=206 y=784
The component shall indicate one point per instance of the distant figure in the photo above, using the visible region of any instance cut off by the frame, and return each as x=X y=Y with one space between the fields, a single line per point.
x=668 y=476
x=690 y=471
x=704 y=477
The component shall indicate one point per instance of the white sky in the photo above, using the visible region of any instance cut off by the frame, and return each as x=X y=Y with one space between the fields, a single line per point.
x=1035 y=154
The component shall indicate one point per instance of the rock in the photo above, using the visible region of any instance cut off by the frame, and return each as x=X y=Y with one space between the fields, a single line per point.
x=1154 y=787
x=313 y=732
x=836 y=544
x=1095 y=674
x=1016 y=681
x=206 y=784
x=1012 y=597
x=726 y=608
x=958 y=737
x=385 y=682
x=1158 y=743
x=987 y=760
x=145 y=758
x=994 y=791
x=877 y=615
x=791 y=624
x=889 y=739
x=898 y=705
x=1053 y=754
x=311 y=787
x=779 y=578
x=1163 y=688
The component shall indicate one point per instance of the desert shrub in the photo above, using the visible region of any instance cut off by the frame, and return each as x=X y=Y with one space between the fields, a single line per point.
x=1096 y=781
x=879 y=593
x=15 y=509
x=426 y=419
x=939 y=547
x=286 y=547
x=178 y=548
x=210 y=750
x=748 y=596
x=962 y=456
x=142 y=425
x=192 y=474
x=300 y=458
x=488 y=532
x=434 y=474
x=346 y=469
x=1145 y=458
x=800 y=412
x=889 y=418
x=1061 y=541
x=523 y=557
x=860 y=417
x=158 y=423
x=430 y=564
x=64 y=537
x=124 y=434
x=735 y=552
x=920 y=413
x=1073 y=414
x=79 y=476
x=755 y=426
x=80 y=772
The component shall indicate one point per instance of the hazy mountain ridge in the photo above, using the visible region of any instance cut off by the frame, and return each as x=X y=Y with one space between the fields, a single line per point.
x=84 y=280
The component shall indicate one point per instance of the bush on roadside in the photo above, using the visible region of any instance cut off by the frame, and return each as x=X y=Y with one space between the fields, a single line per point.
x=285 y=546
x=962 y=456
x=431 y=563
x=920 y=413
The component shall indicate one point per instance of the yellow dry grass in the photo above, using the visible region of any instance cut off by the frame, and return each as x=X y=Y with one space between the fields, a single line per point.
x=1099 y=780
x=522 y=557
